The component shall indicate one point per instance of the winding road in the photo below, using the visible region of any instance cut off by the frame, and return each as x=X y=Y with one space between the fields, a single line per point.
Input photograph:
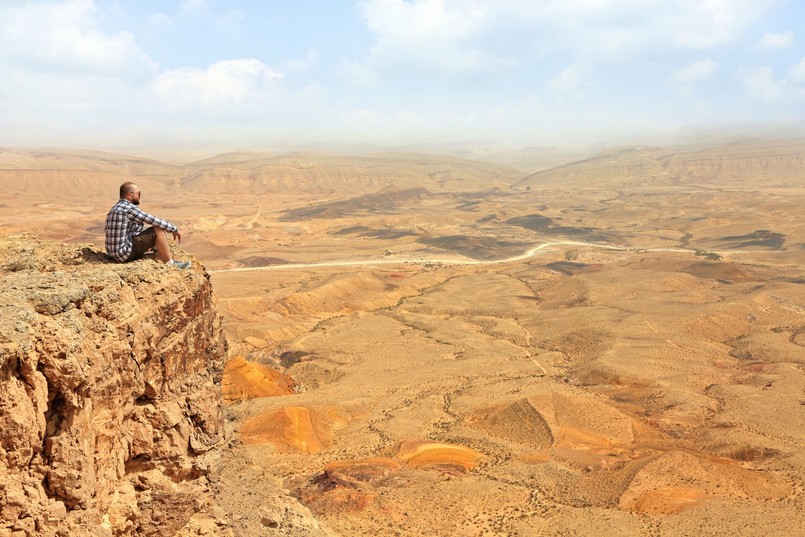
x=459 y=261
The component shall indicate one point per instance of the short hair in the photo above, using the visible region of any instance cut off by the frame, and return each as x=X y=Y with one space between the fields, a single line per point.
x=125 y=188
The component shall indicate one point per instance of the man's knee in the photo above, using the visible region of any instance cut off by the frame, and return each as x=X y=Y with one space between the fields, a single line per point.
x=159 y=230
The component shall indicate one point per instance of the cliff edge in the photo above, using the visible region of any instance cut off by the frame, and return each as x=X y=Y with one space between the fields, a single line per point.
x=109 y=392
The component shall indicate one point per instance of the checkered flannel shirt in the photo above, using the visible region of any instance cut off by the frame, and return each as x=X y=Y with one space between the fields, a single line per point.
x=124 y=221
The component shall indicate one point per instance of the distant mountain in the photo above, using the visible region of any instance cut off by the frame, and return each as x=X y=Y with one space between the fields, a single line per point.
x=234 y=156
x=82 y=174
x=96 y=175
x=773 y=161
x=353 y=174
x=529 y=159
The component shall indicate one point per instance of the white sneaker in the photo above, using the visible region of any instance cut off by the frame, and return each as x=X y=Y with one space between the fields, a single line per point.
x=182 y=265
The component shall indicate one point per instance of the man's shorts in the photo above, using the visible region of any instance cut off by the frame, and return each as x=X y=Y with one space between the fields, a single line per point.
x=141 y=243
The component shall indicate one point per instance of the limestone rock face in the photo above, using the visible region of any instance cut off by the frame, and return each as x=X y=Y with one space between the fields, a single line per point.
x=109 y=391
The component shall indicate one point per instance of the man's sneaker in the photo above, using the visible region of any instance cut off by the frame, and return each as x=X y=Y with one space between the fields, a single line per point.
x=180 y=264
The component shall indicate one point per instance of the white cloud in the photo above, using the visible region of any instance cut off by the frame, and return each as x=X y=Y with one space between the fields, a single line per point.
x=194 y=6
x=683 y=79
x=358 y=74
x=461 y=67
x=310 y=60
x=572 y=78
x=762 y=84
x=609 y=26
x=421 y=20
x=231 y=18
x=796 y=75
x=62 y=73
x=428 y=33
x=451 y=37
x=57 y=37
x=360 y=116
x=158 y=19
x=710 y=23
x=409 y=119
x=776 y=40
x=225 y=81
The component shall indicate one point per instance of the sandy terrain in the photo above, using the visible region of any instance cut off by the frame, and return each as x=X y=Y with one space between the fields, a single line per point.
x=429 y=346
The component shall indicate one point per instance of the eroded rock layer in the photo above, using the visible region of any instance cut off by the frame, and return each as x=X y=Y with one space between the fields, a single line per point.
x=109 y=391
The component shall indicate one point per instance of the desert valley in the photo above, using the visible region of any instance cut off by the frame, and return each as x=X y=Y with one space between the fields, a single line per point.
x=427 y=345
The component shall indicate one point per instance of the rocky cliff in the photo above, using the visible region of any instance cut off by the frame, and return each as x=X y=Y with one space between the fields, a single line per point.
x=109 y=392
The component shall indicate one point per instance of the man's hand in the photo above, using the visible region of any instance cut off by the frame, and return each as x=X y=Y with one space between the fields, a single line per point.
x=177 y=236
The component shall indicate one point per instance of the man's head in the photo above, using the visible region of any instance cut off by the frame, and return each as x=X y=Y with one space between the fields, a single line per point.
x=131 y=192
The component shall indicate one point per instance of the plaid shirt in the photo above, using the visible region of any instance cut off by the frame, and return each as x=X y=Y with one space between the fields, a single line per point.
x=124 y=221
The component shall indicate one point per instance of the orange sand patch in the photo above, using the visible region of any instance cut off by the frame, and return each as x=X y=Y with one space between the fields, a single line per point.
x=535 y=458
x=668 y=500
x=420 y=454
x=582 y=449
x=398 y=275
x=677 y=480
x=298 y=428
x=248 y=380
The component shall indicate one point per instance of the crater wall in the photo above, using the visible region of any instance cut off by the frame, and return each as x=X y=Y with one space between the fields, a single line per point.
x=109 y=391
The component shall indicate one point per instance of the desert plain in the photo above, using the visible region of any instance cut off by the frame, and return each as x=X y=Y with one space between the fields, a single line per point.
x=421 y=344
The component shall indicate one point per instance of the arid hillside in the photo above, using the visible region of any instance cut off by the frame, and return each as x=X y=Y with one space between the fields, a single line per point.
x=424 y=345
x=327 y=174
x=767 y=162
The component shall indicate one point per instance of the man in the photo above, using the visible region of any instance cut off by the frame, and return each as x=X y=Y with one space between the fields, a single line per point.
x=125 y=238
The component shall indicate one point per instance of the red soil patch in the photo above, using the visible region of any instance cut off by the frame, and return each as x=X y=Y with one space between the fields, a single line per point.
x=296 y=428
x=248 y=380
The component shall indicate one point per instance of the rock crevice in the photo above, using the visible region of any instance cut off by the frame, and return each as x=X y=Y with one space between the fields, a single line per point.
x=109 y=391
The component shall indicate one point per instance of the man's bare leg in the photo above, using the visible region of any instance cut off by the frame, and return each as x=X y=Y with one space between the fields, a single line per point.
x=163 y=248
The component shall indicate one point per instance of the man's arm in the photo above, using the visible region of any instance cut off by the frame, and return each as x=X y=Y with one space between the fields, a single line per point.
x=138 y=215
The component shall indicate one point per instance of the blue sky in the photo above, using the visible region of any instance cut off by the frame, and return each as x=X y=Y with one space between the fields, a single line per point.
x=264 y=73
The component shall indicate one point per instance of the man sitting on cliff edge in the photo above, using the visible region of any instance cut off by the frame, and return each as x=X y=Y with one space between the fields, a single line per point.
x=125 y=238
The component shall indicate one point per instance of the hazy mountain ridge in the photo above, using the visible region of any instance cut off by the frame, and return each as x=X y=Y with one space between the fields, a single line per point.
x=780 y=160
x=93 y=161
x=247 y=172
x=94 y=173
x=353 y=173
x=78 y=173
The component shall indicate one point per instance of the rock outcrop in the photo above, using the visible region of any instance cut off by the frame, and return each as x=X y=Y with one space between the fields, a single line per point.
x=110 y=392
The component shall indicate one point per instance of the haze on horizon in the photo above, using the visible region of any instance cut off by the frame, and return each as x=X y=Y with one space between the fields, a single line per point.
x=125 y=75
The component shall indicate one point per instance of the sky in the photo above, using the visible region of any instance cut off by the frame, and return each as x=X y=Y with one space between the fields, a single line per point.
x=103 y=74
